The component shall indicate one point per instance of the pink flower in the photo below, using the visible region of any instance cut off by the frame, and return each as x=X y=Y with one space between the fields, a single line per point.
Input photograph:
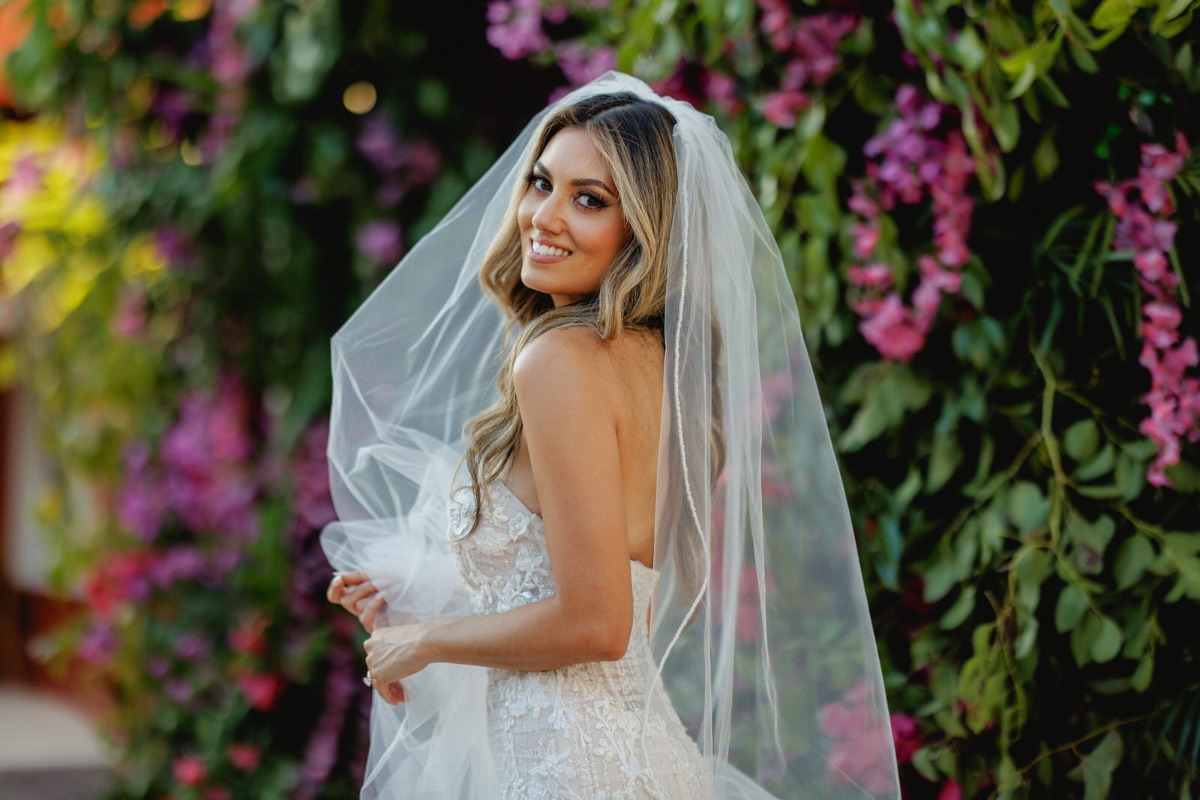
x=261 y=690
x=99 y=643
x=381 y=241
x=243 y=756
x=380 y=143
x=872 y=276
x=860 y=752
x=516 y=28
x=142 y=504
x=119 y=578
x=782 y=107
x=130 y=319
x=581 y=65
x=907 y=162
x=893 y=330
x=722 y=90
x=906 y=736
x=749 y=599
x=248 y=637
x=866 y=239
x=950 y=791
x=1143 y=208
x=188 y=771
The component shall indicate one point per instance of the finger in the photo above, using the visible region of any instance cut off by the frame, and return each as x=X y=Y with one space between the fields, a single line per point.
x=354 y=578
x=336 y=586
x=393 y=693
x=367 y=617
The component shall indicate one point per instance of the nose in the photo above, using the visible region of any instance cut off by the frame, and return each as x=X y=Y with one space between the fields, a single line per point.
x=547 y=216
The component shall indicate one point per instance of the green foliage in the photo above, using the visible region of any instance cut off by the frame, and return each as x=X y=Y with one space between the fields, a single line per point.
x=251 y=171
x=1035 y=595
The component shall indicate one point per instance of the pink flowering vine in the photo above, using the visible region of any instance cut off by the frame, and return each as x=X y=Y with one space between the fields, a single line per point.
x=908 y=163
x=810 y=44
x=1144 y=208
x=855 y=756
x=515 y=26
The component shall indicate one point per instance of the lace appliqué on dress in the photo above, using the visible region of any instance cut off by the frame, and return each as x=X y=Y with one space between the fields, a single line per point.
x=596 y=731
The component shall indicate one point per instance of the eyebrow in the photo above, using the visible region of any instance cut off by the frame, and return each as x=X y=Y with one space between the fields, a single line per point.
x=578 y=181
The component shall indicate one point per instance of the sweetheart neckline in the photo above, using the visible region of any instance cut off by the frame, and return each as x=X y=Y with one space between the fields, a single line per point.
x=538 y=516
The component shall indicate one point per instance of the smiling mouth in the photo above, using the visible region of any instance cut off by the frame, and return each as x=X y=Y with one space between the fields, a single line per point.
x=546 y=250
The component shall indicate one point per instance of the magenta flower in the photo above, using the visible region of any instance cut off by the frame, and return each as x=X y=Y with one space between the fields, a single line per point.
x=872 y=276
x=858 y=755
x=723 y=91
x=260 y=689
x=205 y=457
x=893 y=329
x=243 y=756
x=310 y=479
x=1143 y=207
x=907 y=164
x=99 y=643
x=781 y=108
x=515 y=28
x=950 y=791
x=189 y=771
x=581 y=65
x=381 y=241
x=380 y=143
x=906 y=736
x=142 y=504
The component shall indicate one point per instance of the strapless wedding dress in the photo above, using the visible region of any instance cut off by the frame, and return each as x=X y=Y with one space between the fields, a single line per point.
x=596 y=731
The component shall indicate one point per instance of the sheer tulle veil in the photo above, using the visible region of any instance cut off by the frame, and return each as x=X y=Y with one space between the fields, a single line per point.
x=759 y=622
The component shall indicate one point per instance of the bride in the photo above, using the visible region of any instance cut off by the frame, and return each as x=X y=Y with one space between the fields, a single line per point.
x=623 y=568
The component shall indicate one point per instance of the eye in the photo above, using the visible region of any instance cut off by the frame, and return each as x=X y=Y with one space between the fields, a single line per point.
x=590 y=201
x=539 y=183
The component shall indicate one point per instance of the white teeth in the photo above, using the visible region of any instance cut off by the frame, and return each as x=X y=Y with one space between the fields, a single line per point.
x=547 y=250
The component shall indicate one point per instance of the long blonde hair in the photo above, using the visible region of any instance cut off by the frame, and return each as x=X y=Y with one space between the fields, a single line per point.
x=634 y=137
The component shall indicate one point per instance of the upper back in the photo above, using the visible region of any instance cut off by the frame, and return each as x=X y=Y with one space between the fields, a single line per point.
x=627 y=374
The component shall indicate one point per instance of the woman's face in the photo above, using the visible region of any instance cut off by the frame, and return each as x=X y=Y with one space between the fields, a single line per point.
x=570 y=219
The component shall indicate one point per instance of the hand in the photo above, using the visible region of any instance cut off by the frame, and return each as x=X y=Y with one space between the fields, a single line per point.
x=355 y=593
x=392 y=655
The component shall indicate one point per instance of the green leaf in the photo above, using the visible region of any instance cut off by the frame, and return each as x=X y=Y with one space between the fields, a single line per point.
x=1133 y=558
x=1184 y=477
x=1114 y=15
x=1096 y=768
x=957 y=614
x=1106 y=641
x=1032 y=569
x=944 y=459
x=1069 y=610
x=896 y=390
x=1090 y=540
x=1168 y=11
x=1028 y=508
x=968 y=49
x=1026 y=639
x=1179 y=553
x=922 y=762
x=1082 y=440
x=1100 y=464
x=1144 y=672
x=940 y=578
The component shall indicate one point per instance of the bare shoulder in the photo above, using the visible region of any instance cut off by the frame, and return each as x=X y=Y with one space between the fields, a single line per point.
x=575 y=355
x=578 y=355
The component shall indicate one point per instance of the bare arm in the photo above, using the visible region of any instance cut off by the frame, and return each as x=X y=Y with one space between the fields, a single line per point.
x=569 y=420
